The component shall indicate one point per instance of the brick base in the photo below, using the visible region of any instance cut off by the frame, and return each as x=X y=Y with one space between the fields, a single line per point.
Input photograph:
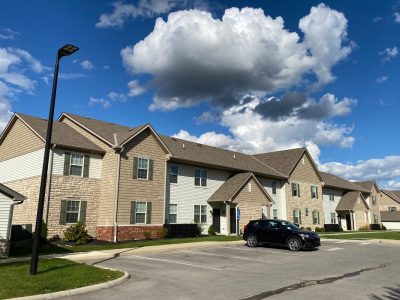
x=4 y=248
x=126 y=233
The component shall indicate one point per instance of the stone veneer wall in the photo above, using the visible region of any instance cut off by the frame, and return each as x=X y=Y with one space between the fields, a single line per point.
x=4 y=248
x=62 y=188
x=306 y=176
x=250 y=203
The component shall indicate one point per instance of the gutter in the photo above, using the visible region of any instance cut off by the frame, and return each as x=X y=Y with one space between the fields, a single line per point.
x=15 y=202
x=118 y=149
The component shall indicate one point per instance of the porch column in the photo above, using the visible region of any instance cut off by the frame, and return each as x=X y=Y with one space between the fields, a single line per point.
x=228 y=218
x=269 y=211
x=353 y=221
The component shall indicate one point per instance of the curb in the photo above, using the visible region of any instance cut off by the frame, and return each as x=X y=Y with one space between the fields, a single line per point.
x=376 y=241
x=81 y=290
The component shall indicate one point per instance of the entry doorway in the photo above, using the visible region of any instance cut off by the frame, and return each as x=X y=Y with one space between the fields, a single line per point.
x=233 y=221
x=217 y=219
x=348 y=221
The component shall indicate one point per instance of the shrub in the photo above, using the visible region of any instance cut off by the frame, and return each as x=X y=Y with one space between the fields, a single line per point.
x=199 y=229
x=383 y=227
x=77 y=234
x=364 y=228
x=162 y=233
x=147 y=235
x=302 y=228
x=308 y=228
x=43 y=233
x=317 y=229
x=211 y=230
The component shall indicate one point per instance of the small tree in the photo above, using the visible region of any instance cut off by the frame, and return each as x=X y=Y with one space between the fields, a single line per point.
x=211 y=230
x=77 y=234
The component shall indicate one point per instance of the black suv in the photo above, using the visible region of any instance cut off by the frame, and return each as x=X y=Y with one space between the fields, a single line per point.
x=279 y=232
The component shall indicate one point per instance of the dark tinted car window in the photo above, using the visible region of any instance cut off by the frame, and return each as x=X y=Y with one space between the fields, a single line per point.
x=262 y=224
x=274 y=225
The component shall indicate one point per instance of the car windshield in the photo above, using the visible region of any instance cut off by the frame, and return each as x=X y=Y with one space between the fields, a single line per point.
x=289 y=226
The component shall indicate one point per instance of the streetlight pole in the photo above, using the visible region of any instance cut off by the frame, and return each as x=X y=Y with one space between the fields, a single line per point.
x=64 y=51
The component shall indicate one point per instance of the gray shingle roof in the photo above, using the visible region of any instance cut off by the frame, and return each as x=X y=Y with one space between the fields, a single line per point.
x=390 y=216
x=395 y=195
x=282 y=161
x=11 y=193
x=187 y=151
x=348 y=201
x=106 y=130
x=334 y=181
x=226 y=191
x=63 y=135
x=367 y=185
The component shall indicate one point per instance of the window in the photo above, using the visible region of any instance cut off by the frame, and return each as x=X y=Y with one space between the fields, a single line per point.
x=274 y=187
x=297 y=216
x=314 y=192
x=173 y=174
x=376 y=221
x=306 y=212
x=392 y=208
x=76 y=165
x=249 y=187
x=315 y=216
x=172 y=213
x=275 y=214
x=143 y=168
x=141 y=209
x=200 y=214
x=200 y=177
x=73 y=208
x=331 y=197
x=333 y=218
x=374 y=200
x=295 y=190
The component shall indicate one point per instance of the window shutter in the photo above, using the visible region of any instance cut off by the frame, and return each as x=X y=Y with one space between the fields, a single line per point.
x=294 y=216
x=86 y=164
x=148 y=213
x=133 y=212
x=67 y=161
x=293 y=187
x=299 y=216
x=318 y=216
x=63 y=212
x=135 y=168
x=82 y=213
x=151 y=163
x=298 y=190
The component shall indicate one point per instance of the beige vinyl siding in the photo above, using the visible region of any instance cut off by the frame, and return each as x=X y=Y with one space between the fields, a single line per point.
x=386 y=201
x=108 y=176
x=306 y=176
x=5 y=206
x=25 y=166
x=19 y=140
x=279 y=198
x=144 y=145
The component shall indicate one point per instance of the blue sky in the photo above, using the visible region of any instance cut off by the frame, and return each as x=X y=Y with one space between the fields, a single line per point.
x=317 y=74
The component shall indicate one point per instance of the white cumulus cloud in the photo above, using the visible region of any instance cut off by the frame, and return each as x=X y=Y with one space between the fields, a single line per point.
x=388 y=54
x=100 y=102
x=194 y=57
x=87 y=65
x=135 y=89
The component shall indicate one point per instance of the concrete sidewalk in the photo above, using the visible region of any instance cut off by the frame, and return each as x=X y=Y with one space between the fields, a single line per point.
x=112 y=253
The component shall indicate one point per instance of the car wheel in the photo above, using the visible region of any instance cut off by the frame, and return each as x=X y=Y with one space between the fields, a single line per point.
x=294 y=244
x=252 y=241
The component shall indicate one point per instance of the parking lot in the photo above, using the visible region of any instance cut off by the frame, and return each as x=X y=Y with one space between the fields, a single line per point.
x=339 y=270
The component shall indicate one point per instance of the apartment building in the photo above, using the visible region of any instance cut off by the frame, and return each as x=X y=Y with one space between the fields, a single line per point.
x=372 y=197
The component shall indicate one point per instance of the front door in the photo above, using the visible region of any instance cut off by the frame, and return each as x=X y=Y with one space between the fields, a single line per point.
x=217 y=219
x=233 y=220
x=348 y=221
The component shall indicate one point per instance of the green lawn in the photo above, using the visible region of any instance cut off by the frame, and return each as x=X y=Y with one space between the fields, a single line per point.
x=387 y=235
x=51 y=248
x=53 y=275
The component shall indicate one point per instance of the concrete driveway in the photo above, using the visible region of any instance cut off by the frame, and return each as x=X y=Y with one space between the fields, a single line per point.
x=339 y=270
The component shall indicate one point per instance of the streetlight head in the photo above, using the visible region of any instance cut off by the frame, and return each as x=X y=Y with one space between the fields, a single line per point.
x=68 y=49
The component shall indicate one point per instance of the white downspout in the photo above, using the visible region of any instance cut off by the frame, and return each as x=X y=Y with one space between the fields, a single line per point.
x=118 y=149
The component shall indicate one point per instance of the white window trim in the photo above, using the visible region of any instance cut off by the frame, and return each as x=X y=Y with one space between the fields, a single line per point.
x=79 y=211
x=200 y=214
x=275 y=214
x=177 y=174
x=201 y=173
x=331 y=197
x=169 y=213
x=297 y=211
x=297 y=189
x=334 y=217
x=145 y=212
x=317 y=215
x=316 y=192
x=148 y=169
x=70 y=164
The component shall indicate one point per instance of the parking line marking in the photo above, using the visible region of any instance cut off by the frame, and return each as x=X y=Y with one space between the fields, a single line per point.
x=333 y=249
x=366 y=243
x=175 y=262
x=255 y=250
x=219 y=255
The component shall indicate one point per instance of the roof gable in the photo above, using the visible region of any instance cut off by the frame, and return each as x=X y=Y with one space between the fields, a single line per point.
x=11 y=193
x=394 y=195
x=337 y=182
x=231 y=187
x=349 y=201
x=367 y=185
